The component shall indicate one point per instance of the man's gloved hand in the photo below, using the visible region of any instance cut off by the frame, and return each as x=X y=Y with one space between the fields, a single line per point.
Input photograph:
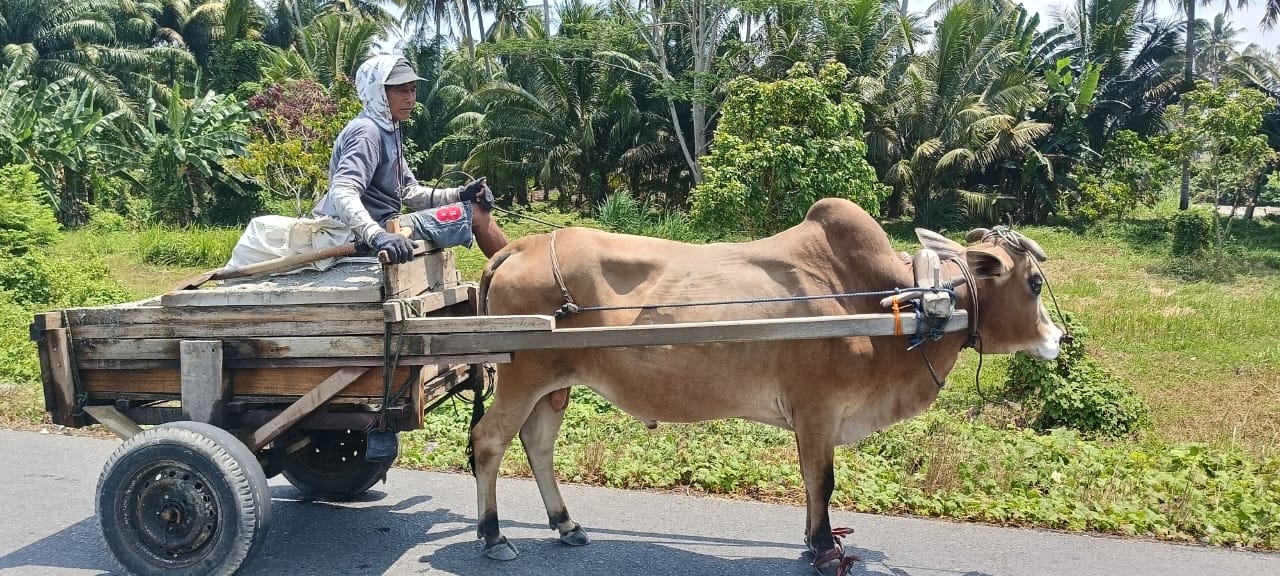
x=398 y=248
x=478 y=191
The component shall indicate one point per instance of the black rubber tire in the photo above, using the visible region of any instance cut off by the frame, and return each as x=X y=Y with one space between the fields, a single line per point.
x=332 y=467
x=161 y=472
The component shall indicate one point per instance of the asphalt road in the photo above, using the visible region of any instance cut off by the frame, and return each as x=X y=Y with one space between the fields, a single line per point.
x=423 y=523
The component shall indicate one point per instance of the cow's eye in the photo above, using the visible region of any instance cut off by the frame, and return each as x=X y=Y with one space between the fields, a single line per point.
x=1036 y=282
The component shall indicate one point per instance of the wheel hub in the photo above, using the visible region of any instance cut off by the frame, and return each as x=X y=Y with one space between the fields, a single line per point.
x=172 y=511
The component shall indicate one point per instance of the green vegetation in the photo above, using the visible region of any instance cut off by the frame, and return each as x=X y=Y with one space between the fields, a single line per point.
x=782 y=146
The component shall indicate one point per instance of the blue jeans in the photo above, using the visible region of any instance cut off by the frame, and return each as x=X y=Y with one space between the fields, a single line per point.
x=444 y=226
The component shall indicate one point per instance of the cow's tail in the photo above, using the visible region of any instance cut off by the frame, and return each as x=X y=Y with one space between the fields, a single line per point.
x=486 y=278
x=480 y=371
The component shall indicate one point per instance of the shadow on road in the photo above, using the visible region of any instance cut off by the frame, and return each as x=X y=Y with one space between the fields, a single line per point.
x=371 y=537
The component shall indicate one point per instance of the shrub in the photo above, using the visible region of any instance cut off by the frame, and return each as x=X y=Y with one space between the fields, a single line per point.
x=26 y=279
x=18 y=360
x=1074 y=391
x=1192 y=232
x=106 y=221
x=291 y=141
x=780 y=147
x=25 y=221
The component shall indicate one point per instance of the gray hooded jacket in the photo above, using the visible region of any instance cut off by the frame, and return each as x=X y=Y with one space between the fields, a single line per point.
x=369 y=178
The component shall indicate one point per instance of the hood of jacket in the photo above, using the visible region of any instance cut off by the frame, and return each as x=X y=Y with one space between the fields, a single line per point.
x=372 y=92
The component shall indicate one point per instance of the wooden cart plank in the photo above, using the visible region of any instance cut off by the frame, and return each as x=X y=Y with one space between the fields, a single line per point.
x=368 y=361
x=278 y=297
x=360 y=312
x=245 y=348
x=275 y=330
x=305 y=405
x=425 y=303
x=244 y=382
x=226 y=330
x=688 y=333
x=431 y=271
x=454 y=324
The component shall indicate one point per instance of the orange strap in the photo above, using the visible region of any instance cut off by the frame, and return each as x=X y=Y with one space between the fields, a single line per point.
x=897 y=318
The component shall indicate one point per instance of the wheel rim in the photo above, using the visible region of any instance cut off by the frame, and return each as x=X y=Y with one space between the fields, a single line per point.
x=333 y=453
x=172 y=511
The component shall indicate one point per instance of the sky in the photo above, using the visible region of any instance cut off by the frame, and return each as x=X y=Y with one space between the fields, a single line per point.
x=1246 y=18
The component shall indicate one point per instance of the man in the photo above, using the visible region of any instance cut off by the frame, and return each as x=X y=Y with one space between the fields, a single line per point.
x=370 y=181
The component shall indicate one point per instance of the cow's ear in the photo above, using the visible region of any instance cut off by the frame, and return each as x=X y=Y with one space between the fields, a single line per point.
x=945 y=247
x=986 y=263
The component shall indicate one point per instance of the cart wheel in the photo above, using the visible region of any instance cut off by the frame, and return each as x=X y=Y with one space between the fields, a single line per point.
x=332 y=466
x=184 y=497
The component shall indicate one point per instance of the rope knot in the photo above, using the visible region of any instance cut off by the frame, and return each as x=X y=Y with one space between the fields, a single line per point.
x=568 y=309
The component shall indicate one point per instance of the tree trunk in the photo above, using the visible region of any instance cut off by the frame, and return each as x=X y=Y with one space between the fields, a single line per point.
x=488 y=68
x=546 y=18
x=703 y=52
x=438 y=34
x=466 y=29
x=1188 y=84
x=658 y=44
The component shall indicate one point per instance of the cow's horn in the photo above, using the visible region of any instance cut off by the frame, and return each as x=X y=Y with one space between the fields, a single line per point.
x=977 y=234
x=1031 y=246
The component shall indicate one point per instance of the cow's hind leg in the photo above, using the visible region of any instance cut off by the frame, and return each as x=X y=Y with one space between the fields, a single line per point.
x=539 y=439
x=817 y=465
x=512 y=404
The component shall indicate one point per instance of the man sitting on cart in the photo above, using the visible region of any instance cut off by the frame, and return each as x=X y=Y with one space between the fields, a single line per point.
x=370 y=180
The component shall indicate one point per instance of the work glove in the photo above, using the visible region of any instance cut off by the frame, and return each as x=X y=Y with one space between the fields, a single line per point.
x=398 y=248
x=478 y=191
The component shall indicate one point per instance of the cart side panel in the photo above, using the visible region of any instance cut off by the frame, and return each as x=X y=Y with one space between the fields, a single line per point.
x=244 y=381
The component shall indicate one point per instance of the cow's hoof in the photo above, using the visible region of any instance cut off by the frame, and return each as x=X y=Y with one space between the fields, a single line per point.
x=576 y=537
x=501 y=550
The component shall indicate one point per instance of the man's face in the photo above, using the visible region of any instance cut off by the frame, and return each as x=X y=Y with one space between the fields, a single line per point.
x=401 y=97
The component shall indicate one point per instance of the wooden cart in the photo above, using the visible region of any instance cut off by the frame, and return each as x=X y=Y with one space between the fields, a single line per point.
x=238 y=384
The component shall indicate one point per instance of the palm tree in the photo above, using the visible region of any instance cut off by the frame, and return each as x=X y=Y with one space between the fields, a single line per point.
x=417 y=12
x=568 y=129
x=338 y=45
x=960 y=108
x=78 y=39
x=1217 y=46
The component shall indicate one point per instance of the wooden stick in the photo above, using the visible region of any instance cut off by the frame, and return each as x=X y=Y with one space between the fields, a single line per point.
x=688 y=333
x=114 y=420
x=304 y=406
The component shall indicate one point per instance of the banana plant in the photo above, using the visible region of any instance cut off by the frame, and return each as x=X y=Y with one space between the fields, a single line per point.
x=64 y=135
x=188 y=142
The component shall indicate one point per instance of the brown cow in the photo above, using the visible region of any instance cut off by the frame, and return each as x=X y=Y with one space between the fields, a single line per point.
x=830 y=392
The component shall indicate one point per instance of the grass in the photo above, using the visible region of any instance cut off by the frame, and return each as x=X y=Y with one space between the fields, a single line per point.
x=124 y=254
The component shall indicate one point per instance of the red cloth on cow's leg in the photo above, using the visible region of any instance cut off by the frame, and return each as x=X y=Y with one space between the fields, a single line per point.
x=834 y=562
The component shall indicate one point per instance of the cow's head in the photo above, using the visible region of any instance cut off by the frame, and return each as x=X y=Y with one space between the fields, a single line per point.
x=1011 y=317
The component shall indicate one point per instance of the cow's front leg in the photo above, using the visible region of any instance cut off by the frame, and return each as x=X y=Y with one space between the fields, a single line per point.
x=539 y=439
x=489 y=441
x=817 y=465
